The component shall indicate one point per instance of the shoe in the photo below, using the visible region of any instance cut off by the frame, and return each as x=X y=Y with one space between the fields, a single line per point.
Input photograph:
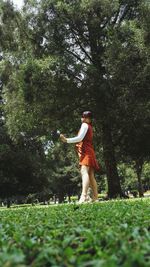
x=83 y=199
x=89 y=199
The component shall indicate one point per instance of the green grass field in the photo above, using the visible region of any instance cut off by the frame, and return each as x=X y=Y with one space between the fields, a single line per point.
x=105 y=234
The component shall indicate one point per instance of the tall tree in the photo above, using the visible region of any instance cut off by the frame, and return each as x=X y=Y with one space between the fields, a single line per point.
x=21 y=163
x=128 y=66
x=81 y=38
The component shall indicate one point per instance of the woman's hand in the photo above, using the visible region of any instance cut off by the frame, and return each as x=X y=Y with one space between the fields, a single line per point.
x=63 y=138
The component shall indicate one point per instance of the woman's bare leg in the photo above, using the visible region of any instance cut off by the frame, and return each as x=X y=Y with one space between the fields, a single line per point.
x=85 y=182
x=93 y=184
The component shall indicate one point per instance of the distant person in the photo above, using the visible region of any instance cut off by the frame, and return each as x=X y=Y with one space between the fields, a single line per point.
x=87 y=159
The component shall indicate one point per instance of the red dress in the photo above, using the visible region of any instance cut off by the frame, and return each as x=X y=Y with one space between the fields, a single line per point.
x=85 y=150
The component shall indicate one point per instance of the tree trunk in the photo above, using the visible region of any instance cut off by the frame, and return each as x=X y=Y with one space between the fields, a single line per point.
x=8 y=203
x=69 y=198
x=60 y=197
x=114 y=188
x=138 y=168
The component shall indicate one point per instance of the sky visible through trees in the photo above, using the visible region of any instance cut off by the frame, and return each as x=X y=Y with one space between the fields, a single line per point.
x=18 y=3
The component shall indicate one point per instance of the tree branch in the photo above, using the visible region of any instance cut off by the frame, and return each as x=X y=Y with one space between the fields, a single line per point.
x=75 y=77
x=79 y=43
x=76 y=56
x=125 y=11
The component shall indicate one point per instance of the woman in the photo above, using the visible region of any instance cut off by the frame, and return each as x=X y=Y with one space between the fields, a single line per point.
x=87 y=159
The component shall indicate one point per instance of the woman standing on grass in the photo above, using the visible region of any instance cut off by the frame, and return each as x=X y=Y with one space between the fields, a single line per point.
x=87 y=159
